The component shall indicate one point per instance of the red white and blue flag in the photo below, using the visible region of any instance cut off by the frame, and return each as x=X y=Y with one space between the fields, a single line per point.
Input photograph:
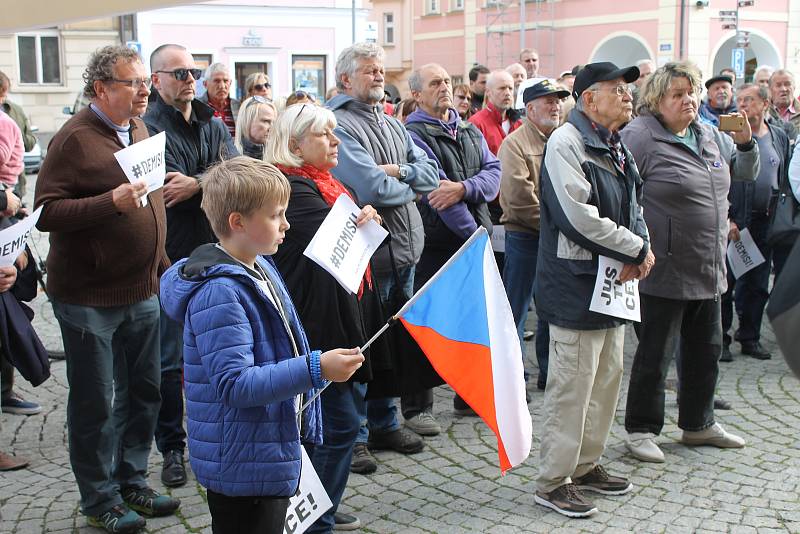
x=461 y=319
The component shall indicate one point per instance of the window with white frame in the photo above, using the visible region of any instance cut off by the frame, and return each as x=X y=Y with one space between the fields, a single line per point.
x=39 y=57
x=388 y=28
x=431 y=7
x=456 y=5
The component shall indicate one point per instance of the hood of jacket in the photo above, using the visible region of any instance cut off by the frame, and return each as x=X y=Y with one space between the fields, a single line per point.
x=451 y=124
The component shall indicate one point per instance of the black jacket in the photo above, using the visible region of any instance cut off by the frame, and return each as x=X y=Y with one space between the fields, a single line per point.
x=192 y=147
x=741 y=193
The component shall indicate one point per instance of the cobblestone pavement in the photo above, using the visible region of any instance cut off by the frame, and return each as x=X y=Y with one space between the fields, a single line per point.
x=454 y=485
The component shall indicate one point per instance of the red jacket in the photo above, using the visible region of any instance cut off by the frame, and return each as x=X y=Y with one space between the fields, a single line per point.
x=490 y=122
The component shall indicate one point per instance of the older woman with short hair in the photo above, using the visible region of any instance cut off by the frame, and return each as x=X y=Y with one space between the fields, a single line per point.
x=303 y=146
x=257 y=84
x=686 y=167
x=256 y=116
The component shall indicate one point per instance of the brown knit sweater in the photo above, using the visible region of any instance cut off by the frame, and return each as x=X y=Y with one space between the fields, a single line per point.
x=98 y=257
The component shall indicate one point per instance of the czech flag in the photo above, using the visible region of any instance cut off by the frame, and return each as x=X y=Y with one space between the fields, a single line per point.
x=461 y=319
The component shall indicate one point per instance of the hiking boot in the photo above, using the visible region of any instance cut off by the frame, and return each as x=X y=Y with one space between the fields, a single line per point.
x=424 y=424
x=17 y=405
x=118 y=519
x=715 y=436
x=567 y=500
x=400 y=440
x=345 y=522
x=173 y=472
x=462 y=408
x=754 y=349
x=362 y=461
x=599 y=481
x=150 y=502
x=11 y=463
x=642 y=446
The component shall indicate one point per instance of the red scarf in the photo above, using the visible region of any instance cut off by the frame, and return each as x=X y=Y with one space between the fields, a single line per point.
x=330 y=188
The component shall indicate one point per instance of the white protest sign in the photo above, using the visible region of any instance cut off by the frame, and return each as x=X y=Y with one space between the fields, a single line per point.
x=743 y=255
x=310 y=501
x=498 y=238
x=342 y=248
x=13 y=238
x=145 y=161
x=610 y=297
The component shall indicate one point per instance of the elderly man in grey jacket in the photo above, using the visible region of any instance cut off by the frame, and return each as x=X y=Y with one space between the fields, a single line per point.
x=686 y=167
x=382 y=165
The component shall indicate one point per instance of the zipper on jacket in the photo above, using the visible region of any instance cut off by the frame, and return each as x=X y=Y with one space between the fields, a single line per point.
x=716 y=247
x=669 y=236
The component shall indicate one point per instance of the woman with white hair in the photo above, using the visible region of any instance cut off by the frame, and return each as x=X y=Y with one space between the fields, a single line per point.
x=304 y=147
x=256 y=116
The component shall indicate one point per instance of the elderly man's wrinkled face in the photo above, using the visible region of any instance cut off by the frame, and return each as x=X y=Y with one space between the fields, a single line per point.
x=781 y=87
x=436 y=96
x=501 y=91
x=171 y=89
x=678 y=107
x=366 y=83
x=762 y=78
x=544 y=112
x=125 y=96
x=612 y=103
x=720 y=95
x=518 y=74
x=219 y=86
x=749 y=101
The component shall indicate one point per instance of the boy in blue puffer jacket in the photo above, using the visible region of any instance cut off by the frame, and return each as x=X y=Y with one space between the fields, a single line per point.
x=247 y=364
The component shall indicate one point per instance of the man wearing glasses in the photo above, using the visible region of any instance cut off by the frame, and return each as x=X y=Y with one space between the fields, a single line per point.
x=218 y=95
x=106 y=256
x=196 y=139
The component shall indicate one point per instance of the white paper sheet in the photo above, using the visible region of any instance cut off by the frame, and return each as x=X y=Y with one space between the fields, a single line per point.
x=310 y=501
x=743 y=255
x=14 y=238
x=145 y=161
x=610 y=297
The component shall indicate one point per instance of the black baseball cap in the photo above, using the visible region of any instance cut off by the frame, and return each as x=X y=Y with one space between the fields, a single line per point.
x=543 y=88
x=716 y=79
x=602 y=72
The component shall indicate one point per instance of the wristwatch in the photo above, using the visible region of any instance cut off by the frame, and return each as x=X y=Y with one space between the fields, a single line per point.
x=403 y=172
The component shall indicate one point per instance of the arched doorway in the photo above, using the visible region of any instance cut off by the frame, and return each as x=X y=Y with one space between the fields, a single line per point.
x=762 y=51
x=622 y=49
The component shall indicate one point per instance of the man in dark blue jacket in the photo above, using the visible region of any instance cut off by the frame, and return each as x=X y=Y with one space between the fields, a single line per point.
x=195 y=141
x=751 y=206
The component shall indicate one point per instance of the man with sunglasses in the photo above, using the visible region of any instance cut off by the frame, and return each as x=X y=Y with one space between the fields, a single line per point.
x=217 y=82
x=196 y=139
x=106 y=256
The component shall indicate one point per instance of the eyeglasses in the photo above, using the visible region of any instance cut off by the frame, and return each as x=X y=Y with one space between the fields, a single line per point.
x=261 y=86
x=622 y=89
x=256 y=99
x=135 y=83
x=303 y=94
x=182 y=74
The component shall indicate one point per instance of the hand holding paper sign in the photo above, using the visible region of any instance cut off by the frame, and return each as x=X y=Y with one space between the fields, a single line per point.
x=145 y=161
x=128 y=197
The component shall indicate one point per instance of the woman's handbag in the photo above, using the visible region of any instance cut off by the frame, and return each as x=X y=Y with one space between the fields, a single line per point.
x=785 y=224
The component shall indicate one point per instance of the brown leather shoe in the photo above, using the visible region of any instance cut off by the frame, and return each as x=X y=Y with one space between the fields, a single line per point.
x=11 y=463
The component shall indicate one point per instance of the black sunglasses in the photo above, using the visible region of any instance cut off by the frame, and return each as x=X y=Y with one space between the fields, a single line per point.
x=303 y=94
x=261 y=86
x=182 y=74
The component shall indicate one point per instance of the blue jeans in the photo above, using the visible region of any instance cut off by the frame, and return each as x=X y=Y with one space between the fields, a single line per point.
x=519 y=274
x=170 y=434
x=113 y=370
x=380 y=415
x=331 y=459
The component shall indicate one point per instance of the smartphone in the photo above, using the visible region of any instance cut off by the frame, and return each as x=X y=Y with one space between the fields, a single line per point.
x=731 y=123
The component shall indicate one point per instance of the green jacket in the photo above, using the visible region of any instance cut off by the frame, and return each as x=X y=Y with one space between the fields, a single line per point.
x=15 y=112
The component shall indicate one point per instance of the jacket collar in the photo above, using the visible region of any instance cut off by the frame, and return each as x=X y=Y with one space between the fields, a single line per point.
x=535 y=130
x=590 y=136
x=201 y=112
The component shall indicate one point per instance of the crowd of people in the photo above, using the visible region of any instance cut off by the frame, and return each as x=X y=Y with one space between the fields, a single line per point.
x=202 y=293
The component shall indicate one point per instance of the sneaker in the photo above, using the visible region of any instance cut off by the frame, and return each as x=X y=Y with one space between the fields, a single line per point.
x=345 y=522
x=16 y=404
x=362 y=461
x=566 y=500
x=754 y=349
x=400 y=440
x=642 y=446
x=424 y=424
x=150 y=502
x=715 y=435
x=599 y=481
x=173 y=472
x=722 y=404
x=527 y=335
x=462 y=408
x=11 y=463
x=118 y=519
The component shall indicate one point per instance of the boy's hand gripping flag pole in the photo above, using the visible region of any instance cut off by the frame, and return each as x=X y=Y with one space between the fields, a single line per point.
x=474 y=345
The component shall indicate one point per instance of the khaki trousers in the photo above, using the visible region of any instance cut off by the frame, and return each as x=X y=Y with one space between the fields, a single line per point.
x=579 y=403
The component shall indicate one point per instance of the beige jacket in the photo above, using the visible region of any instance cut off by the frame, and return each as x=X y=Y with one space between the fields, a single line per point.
x=521 y=157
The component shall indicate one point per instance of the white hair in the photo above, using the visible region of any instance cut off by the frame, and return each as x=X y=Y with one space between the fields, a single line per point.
x=643 y=62
x=347 y=63
x=215 y=68
x=293 y=123
x=766 y=68
x=248 y=113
